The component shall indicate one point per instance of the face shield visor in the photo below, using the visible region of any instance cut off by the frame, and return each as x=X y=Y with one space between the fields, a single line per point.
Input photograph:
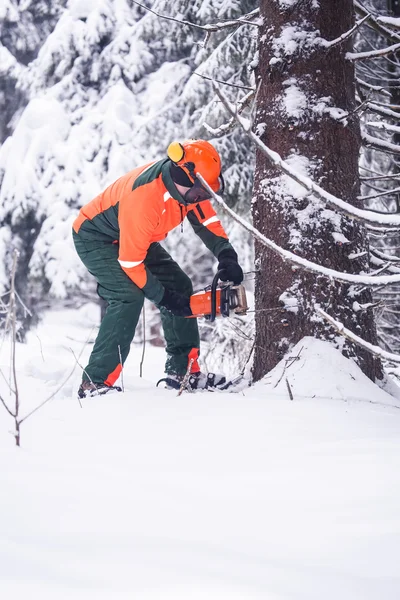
x=198 y=192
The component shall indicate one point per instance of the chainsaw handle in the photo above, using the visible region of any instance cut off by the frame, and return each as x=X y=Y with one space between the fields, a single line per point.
x=214 y=284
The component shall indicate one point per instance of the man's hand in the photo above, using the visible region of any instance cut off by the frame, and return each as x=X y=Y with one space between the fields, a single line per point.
x=177 y=304
x=228 y=264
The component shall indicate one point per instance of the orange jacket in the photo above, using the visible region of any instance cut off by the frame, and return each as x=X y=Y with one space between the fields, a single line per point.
x=141 y=208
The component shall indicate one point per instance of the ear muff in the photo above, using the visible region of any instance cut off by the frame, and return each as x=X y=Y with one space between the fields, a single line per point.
x=175 y=152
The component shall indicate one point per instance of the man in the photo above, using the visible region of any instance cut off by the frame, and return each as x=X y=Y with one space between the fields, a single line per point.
x=117 y=237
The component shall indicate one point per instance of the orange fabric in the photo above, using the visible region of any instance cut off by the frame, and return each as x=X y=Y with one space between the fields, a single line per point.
x=208 y=211
x=120 y=188
x=145 y=215
x=194 y=354
x=112 y=378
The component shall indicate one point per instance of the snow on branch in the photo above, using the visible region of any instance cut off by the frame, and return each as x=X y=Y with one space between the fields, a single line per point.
x=345 y=207
x=303 y=263
x=383 y=265
x=376 y=22
x=340 y=328
x=382 y=110
x=373 y=53
x=384 y=126
x=390 y=192
x=383 y=256
x=392 y=21
x=379 y=144
x=374 y=88
x=346 y=35
x=210 y=28
x=231 y=124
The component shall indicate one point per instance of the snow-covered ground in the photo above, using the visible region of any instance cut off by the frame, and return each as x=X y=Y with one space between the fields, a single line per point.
x=146 y=495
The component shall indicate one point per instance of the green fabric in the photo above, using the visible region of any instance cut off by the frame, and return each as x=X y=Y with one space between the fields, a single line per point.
x=150 y=174
x=125 y=302
x=103 y=227
x=153 y=288
x=214 y=243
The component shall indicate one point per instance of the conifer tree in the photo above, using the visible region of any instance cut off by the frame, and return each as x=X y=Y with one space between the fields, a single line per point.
x=300 y=108
x=110 y=87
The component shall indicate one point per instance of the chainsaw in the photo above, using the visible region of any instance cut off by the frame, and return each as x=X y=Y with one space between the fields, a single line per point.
x=216 y=299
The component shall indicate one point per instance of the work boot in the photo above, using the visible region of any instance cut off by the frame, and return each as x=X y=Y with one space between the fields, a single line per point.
x=89 y=389
x=196 y=381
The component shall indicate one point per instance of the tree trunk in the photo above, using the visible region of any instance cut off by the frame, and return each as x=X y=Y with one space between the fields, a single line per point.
x=304 y=90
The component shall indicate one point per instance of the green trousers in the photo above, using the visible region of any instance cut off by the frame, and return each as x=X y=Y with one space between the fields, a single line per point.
x=125 y=302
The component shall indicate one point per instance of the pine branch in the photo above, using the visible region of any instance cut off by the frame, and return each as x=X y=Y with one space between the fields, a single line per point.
x=346 y=208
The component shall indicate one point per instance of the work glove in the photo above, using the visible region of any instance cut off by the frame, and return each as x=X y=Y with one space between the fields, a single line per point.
x=177 y=304
x=228 y=264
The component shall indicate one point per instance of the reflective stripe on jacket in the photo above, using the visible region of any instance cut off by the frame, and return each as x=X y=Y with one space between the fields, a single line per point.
x=140 y=208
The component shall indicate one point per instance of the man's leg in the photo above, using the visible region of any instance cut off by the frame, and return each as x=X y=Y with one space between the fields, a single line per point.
x=181 y=334
x=125 y=302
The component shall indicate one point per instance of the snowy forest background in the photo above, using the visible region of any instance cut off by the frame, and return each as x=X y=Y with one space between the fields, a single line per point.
x=92 y=88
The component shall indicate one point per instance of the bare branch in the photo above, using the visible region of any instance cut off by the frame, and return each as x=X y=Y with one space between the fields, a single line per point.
x=379 y=144
x=6 y=407
x=373 y=22
x=383 y=256
x=62 y=384
x=383 y=110
x=374 y=88
x=385 y=193
x=235 y=85
x=384 y=126
x=232 y=123
x=364 y=216
x=245 y=20
x=387 y=266
x=347 y=34
x=340 y=328
x=391 y=21
x=302 y=263
x=380 y=177
x=373 y=53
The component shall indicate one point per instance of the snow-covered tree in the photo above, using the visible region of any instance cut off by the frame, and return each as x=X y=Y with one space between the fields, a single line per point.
x=112 y=84
x=379 y=100
x=306 y=112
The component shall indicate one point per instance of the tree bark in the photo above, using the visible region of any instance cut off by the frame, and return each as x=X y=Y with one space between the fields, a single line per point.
x=304 y=88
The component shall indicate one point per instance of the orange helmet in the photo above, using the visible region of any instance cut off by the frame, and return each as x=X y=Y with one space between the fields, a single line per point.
x=197 y=156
